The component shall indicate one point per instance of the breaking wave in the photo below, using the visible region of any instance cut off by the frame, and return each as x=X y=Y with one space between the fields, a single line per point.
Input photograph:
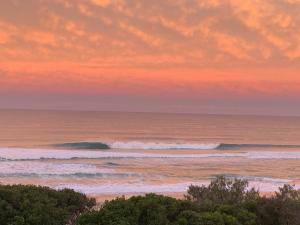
x=21 y=154
x=241 y=146
x=258 y=179
x=82 y=145
x=164 y=146
x=112 y=188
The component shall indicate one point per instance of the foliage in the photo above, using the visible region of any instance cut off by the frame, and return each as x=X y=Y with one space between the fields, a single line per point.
x=151 y=209
x=221 y=191
x=31 y=205
x=223 y=202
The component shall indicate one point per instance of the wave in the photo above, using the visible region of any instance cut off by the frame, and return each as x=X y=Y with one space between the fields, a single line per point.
x=48 y=169
x=102 y=175
x=13 y=154
x=82 y=145
x=127 y=188
x=164 y=146
x=224 y=146
x=258 y=179
x=111 y=164
x=8 y=154
x=135 y=145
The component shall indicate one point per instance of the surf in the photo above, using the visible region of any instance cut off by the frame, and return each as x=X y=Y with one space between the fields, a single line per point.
x=21 y=154
x=165 y=145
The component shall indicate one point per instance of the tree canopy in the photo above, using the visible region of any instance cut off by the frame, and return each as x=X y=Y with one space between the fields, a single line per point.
x=223 y=202
x=32 y=205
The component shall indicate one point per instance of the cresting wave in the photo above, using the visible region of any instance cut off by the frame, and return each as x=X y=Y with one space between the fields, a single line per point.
x=242 y=146
x=9 y=154
x=164 y=146
x=82 y=145
x=136 y=145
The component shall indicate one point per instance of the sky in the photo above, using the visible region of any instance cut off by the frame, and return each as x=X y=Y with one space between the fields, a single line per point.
x=198 y=56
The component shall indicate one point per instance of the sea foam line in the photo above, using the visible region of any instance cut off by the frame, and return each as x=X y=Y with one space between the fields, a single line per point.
x=192 y=146
x=41 y=168
x=39 y=154
x=135 y=145
x=131 y=188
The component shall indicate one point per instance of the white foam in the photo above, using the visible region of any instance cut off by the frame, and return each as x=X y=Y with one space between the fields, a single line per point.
x=11 y=168
x=263 y=179
x=112 y=188
x=36 y=154
x=263 y=184
x=273 y=155
x=161 y=146
x=132 y=188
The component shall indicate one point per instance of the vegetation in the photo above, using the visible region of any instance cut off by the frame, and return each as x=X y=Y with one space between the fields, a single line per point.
x=223 y=202
x=31 y=205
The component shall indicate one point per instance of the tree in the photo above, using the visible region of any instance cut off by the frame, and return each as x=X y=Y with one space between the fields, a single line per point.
x=31 y=205
x=221 y=191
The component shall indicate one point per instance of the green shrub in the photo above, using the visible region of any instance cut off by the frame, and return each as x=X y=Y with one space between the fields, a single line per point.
x=31 y=205
x=223 y=202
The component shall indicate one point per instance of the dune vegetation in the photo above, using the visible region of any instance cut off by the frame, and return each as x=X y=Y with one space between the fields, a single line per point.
x=32 y=205
x=223 y=202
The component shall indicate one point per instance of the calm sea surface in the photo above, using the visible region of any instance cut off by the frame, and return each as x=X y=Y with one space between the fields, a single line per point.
x=108 y=153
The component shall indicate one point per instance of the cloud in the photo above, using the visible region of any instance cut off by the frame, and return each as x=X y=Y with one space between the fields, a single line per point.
x=102 y=3
x=43 y=38
x=7 y=31
x=4 y=37
x=186 y=48
x=84 y=9
x=206 y=33
x=144 y=36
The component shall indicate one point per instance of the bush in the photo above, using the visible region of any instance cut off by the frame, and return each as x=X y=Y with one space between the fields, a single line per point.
x=31 y=205
x=223 y=202
x=221 y=191
x=148 y=210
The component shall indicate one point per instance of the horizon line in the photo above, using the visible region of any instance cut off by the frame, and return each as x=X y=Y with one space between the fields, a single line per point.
x=146 y=112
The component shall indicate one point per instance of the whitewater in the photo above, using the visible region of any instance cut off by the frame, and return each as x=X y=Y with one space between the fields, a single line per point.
x=111 y=154
x=43 y=154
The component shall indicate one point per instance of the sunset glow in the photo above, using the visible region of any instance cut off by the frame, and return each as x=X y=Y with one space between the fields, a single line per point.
x=215 y=56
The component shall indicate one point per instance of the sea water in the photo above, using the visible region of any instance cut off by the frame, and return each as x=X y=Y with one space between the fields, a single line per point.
x=113 y=153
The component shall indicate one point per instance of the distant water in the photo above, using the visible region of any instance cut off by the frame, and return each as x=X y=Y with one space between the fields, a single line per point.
x=145 y=152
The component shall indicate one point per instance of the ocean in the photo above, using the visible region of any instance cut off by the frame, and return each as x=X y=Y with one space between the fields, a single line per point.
x=112 y=153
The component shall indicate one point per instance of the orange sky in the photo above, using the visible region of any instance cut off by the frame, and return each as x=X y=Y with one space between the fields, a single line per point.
x=215 y=56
